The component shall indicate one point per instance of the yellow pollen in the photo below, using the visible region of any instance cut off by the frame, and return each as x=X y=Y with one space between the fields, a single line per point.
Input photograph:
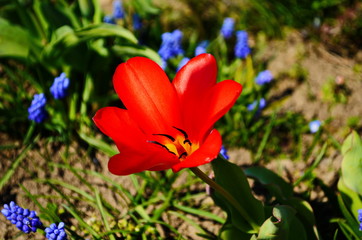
x=181 y=147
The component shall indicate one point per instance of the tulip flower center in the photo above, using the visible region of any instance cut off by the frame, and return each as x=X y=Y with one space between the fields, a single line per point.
x=180 y=145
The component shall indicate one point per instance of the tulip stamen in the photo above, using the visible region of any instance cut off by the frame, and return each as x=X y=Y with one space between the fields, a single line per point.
x=166 y=135
x=178 y=145
x=188 y=141
x=184 y=154
x=183 y=132
x=160 y=144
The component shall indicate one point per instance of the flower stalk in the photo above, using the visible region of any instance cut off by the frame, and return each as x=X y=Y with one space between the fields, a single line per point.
x=226 y=195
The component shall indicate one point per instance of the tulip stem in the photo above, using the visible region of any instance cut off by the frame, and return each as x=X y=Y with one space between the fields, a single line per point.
x=226 y=195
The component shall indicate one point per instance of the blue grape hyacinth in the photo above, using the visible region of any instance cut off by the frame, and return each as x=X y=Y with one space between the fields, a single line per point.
x=227 y=28
x=261 y=103
x=171 y=45
x=360 y=219
x=182 y=63
x=241 y=49
x=37 y=112
x=137 y=21
x=60 y=86
x=24 y=219
x=314 y=126
x=118 y=11
x=224 y=153
x=264 y=77
x=201 y=48
x=54 y=232
x=109 y=19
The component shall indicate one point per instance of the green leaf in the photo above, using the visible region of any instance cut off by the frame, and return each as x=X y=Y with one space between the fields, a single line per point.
x=278 y=225
x=15 y=41
x=275 y=184
x=230 y=232
x=105 y=30
x=65 y=38
x=136 y=50
x=352 y=162
x=283 y=192
x=249 y=214
x=101 y=145
x=348 y=232
x=349 y=202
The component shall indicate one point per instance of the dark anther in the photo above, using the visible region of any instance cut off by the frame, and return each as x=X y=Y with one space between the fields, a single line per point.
x=184 y=154
x=165 y=135
x=183 y=132
x=188 y=141
x=157 y=143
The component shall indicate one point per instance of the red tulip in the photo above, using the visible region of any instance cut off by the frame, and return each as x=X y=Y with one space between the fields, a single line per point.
x=166 y=125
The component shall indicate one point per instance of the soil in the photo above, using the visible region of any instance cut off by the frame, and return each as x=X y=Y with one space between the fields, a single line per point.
x=306 y=98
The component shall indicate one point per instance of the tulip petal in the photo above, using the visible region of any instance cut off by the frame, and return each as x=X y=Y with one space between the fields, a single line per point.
x=215 y=104
x=148 y=157
x=207 y=152
x=118 y=125
x=191 y=84
x=195 y=77
x=148 y=95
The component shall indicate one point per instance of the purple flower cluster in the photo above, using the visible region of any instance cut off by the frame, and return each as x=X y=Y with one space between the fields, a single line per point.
x=360 y=219
x=260 y=104
x=224 y=153
x=109 y=19
x=171 y=45
x=264 y=77
x=227 y=28
x=241 y=49
x=201 y=48
x=54 y=232
x=314 y=126
x=24 y=219
x=118 y=11
x=137 y=22
x=37 y=112
x=182 y=63
x=60 y=86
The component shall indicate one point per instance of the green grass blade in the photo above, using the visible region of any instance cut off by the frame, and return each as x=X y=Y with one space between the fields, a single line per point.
x=81 y=221
x=199 y=212
x=103 y=214
x=5 y=178
x=99 y=144
x=265 y=138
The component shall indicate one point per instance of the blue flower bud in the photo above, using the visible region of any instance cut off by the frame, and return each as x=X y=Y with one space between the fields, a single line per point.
x=227 y=28
x=224 y=153
x=241 y=48
x=23 y=219
x=137 y=23
x=54 y=232
x=118 y=11
x=314 y=126
x=264 y=77
x=109 y=19
x=261 y=103
x=360 y=218
x=60 y=86
x=37 y=112
x=182 y=63
x=201 y=48
x=171 y=45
